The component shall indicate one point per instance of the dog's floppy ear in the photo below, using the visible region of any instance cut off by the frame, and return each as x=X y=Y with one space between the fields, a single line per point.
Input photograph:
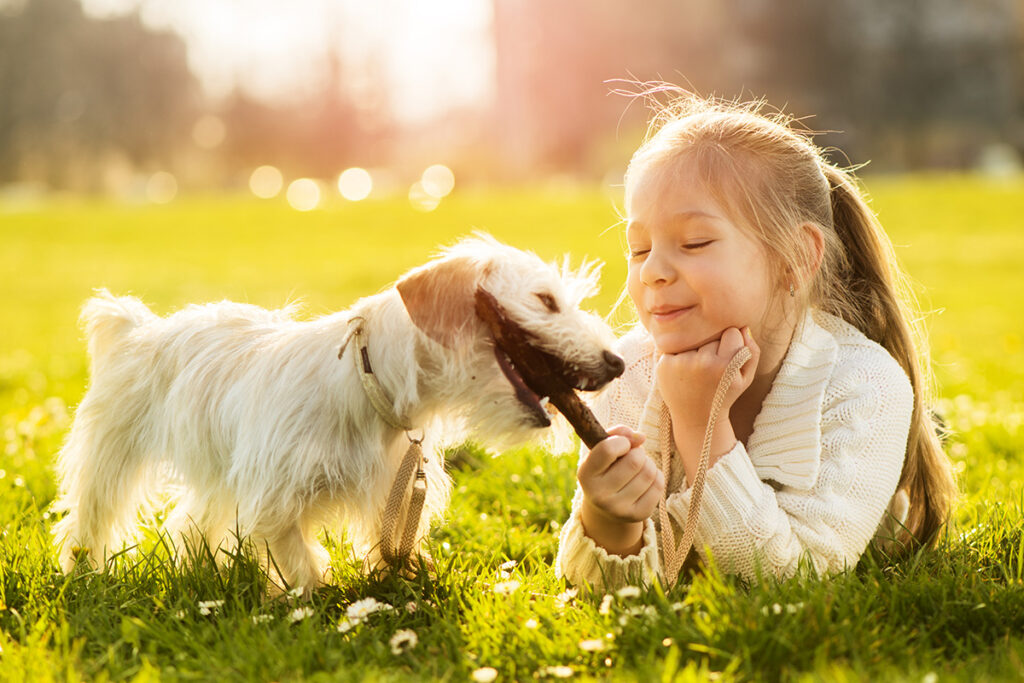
x=439 y=297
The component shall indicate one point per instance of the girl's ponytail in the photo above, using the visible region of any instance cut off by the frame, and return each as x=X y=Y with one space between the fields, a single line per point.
x=876 y=298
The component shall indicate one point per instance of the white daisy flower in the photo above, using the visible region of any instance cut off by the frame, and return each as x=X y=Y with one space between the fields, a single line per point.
x=300 y=614
x=558 y=671
x=506 y=587
x=593 y=645
x=403 y=641
x=531 y=623
x=642 y=611
x=508 y=566
x=296 y=592
x=365 y=607
x=565 y=597
x=209 y=606
x=484 y=674
x=345 y=625
x=628 y=592
x=606 y=605
x=262 y=618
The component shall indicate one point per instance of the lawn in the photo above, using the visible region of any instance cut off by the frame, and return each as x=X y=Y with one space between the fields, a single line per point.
x=956 y=613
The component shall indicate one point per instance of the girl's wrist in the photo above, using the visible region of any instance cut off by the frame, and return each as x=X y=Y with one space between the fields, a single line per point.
x=614 y=536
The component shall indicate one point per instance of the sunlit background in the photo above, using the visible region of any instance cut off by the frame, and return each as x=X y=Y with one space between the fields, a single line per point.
x=320 y=101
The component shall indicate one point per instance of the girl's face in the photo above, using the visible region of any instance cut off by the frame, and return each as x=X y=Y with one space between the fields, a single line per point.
x=692 y=272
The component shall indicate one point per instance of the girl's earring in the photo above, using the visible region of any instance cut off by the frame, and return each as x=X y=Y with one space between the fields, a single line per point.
x=792 y=290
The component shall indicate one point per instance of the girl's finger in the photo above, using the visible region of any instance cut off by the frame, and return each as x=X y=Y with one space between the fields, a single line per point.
x=621 y=471
x=710 y=349
x=635 y=438
x=732 y=342
x=603 y=456
x=640 y=482
x=650 y=498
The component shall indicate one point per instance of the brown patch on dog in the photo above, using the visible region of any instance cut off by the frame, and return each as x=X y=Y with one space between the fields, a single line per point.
x=439 y=298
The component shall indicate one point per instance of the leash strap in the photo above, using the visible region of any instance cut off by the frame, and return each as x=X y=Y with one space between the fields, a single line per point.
x=673 y=555
x=411 y=467
x=411 y=470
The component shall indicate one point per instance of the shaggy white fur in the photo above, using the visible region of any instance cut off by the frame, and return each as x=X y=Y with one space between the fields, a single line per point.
x=266 y=429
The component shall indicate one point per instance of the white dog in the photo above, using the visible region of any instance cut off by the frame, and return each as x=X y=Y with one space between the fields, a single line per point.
x=267 y=431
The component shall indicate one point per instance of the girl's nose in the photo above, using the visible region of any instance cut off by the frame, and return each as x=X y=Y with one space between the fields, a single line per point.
x=657 y=270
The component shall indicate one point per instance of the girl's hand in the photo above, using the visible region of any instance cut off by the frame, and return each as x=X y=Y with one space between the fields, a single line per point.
x=688 y=381
x=621 y=488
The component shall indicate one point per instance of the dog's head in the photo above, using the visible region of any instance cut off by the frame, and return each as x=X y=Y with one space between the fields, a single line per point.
x=517 y=323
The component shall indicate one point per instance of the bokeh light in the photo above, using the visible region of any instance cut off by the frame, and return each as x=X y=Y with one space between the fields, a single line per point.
x=266 y=182
x=355 y=184
x=438 y=181
x=422 y=200
x=161 y=188
x=209 y=131
x=304 y=194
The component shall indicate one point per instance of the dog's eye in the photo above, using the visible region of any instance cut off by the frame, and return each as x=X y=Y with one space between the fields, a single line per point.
x=548 y=301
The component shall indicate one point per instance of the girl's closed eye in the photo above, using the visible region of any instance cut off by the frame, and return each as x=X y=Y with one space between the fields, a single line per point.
x=697 y=244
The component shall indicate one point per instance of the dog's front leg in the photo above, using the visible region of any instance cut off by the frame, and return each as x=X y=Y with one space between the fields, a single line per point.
x=298 y=559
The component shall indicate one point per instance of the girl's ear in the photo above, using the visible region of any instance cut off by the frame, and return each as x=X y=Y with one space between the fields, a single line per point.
x=439 y=297
x=815 y=245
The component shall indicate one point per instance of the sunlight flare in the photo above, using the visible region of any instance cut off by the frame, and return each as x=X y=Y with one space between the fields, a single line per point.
x=304 y=194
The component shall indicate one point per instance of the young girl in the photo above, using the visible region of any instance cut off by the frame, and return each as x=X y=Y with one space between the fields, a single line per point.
x=740 y=234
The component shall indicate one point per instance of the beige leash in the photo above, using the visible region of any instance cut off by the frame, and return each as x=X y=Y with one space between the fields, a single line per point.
x=673 y=556
x=409 y=471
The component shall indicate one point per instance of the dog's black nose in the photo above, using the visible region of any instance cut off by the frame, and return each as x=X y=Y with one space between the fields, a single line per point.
x=614 y=363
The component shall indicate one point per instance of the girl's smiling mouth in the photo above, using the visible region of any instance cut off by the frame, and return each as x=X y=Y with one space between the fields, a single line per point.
x=668 y=313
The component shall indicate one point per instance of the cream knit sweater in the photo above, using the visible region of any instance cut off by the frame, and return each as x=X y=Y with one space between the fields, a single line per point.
x=814 y=480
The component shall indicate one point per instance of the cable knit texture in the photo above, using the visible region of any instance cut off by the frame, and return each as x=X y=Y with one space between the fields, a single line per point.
x=815 y=479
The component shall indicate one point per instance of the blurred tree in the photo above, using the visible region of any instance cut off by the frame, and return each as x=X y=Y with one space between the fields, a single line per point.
x=74 y=91
x=316 y=134
x=910 y=84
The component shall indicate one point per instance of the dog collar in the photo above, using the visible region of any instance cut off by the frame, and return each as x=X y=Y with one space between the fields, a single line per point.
x=379 y=398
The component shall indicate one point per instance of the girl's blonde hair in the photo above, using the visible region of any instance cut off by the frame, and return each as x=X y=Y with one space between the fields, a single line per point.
x=775 y=181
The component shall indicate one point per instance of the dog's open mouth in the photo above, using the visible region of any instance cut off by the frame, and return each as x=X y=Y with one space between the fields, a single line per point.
x=537 y=405
x=538 y=376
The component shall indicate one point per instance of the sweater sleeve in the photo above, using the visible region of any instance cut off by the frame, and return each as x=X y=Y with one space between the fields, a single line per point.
x=579 y=559
x=750 y=525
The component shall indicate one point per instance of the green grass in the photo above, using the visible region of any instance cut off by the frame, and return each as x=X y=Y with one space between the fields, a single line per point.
x=955 y=613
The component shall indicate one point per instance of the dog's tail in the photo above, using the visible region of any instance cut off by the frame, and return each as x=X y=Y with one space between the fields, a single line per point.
x=102 y=469
x=107 y=319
